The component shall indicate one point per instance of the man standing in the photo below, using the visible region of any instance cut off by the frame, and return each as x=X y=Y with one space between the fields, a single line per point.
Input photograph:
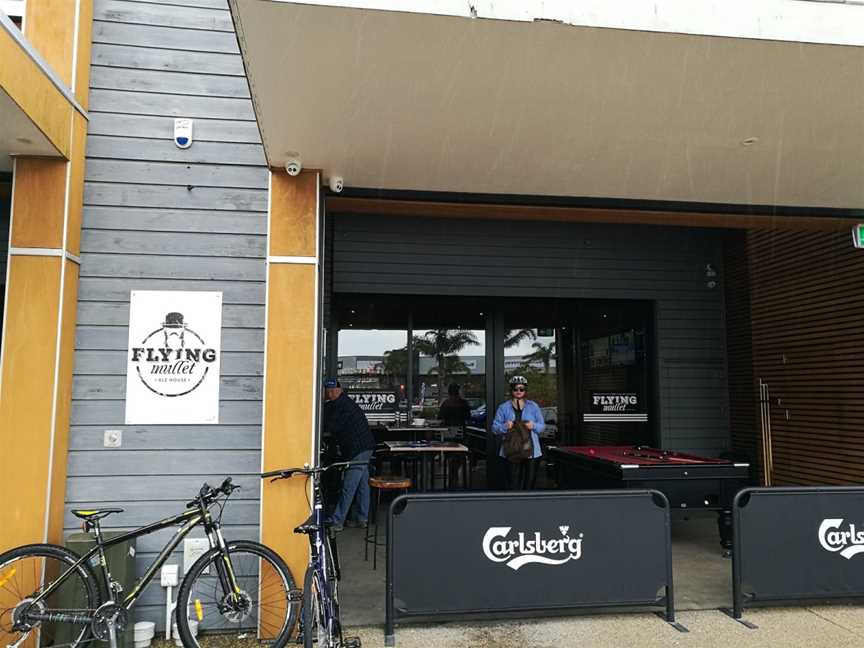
x=344 y=422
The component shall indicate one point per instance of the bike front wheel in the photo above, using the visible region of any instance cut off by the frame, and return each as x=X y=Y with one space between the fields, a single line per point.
x=265 y=609
x=313 y=622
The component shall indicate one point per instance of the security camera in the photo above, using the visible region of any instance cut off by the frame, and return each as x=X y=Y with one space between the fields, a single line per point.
x=293 y=166
x=337 y=184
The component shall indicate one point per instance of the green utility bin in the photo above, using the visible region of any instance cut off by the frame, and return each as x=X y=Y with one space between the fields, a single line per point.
x=121 y=562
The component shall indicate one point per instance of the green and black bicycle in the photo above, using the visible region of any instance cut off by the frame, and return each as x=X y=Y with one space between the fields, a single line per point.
x=239 y=588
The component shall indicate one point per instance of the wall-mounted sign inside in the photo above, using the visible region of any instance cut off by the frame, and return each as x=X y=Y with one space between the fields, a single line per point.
x=375 y=401
x=173 y=361
x=614 y=402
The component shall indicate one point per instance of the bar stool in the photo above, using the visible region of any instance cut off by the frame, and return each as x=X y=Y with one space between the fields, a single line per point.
x=380 y=484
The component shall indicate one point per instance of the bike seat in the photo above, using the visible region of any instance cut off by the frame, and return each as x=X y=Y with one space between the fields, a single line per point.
x=95 y=514
x=308 y=526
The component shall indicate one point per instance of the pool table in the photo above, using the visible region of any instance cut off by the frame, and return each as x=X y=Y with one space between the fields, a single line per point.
x=688 y=481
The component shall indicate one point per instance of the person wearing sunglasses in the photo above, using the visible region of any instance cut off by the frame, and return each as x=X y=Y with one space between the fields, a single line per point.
x=522 y=473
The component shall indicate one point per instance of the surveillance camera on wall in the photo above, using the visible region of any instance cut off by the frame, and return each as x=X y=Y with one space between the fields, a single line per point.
x=337 y=184
x=293 y=166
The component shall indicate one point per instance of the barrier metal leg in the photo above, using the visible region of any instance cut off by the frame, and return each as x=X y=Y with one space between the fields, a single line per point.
x=731 y=614
x=389 y=622
x=669 y=614
x=737 y=611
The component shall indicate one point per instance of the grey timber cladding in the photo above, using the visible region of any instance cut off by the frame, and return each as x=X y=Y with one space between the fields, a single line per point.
x=160 y=218
x=514 y=259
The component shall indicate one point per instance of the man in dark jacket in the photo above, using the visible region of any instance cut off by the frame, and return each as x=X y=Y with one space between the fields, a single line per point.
x=345 y=423
x=455 y=410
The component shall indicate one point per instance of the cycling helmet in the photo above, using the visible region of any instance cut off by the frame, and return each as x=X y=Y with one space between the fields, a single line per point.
x=518 y=380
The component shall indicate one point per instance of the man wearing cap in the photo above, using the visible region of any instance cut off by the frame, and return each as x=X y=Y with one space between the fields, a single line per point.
x=345 y=423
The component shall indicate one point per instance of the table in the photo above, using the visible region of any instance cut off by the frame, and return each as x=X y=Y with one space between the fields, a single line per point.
x=409 y=433
x=426 y=451
x=688 y=481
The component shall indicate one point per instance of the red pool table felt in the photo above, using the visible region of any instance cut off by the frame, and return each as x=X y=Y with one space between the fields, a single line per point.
x=640 y=455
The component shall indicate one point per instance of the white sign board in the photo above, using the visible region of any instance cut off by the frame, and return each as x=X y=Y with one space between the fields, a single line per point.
x=173 y=359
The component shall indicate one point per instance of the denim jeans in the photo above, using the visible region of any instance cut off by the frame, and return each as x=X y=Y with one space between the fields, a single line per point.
x=355 y=489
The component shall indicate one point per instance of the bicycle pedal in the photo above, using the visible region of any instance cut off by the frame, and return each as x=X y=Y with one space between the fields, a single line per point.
x=295 y=595
x=351 y=642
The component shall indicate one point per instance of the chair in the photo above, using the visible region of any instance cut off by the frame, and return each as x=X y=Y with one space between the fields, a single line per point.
x=378 y=485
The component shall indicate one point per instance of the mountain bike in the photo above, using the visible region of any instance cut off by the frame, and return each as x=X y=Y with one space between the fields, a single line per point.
x=238 y=586
x=319 y=616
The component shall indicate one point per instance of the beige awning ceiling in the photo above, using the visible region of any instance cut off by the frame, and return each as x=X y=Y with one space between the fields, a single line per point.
x=410 y=101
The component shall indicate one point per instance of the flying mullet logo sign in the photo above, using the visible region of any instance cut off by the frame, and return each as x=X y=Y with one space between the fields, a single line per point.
x=173 y=360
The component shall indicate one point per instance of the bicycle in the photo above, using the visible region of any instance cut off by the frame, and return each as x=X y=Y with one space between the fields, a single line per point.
x=224 y=588
x=319 y=615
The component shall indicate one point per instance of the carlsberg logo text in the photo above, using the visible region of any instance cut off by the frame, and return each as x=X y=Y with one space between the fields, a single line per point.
x=524 y=548
x=834 y=537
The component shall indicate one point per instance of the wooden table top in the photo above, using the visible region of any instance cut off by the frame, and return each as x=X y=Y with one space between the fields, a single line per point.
x=424 y=446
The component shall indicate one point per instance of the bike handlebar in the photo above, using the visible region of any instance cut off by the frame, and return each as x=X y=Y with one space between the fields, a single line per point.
x=208 y=494
x=285 y=473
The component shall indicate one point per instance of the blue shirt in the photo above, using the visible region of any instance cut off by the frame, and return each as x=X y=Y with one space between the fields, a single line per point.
x=530 y=412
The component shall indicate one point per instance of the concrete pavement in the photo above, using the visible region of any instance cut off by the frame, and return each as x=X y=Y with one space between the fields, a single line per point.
x=798 y=627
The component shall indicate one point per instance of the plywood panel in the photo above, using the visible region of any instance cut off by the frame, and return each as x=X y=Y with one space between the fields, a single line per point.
x=130 y=148
x=175 y=38
x=49 y=26
x=288 y=420
x=164 y=15
x=167 y=60
x=84 y=52
x=293 y=203
x=64 y=403
x=40 y=203
x=76 y=185
x=193 y=244
x=33 y=91
x=177 y=173
x=29 y=363
x=210 y=130
x=138 y=103
x=169 y=82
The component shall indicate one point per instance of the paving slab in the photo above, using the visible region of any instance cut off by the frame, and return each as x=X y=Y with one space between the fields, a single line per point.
x=822 y=627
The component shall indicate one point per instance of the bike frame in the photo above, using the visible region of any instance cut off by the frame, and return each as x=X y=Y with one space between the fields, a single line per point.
x=188 y=521
x=320 y=557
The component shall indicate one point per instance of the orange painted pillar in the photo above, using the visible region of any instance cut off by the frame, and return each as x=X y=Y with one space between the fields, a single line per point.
x=42 y=293
x=291 y=389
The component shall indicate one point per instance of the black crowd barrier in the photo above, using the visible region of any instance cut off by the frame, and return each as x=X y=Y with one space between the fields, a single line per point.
x=473 y=553
x=797 y=543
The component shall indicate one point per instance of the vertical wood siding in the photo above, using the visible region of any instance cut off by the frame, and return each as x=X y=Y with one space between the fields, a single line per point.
x=381 y=254
x=808 y=346
x=160 y=218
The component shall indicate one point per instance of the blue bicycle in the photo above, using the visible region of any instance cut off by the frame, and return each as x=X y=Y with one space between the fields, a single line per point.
x=319 y=614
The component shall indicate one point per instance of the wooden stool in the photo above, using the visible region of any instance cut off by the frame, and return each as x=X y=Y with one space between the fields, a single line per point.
x=381 y=484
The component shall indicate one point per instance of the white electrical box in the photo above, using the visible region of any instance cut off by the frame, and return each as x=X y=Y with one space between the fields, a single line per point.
x=169 y=576
x=113 y=438
x=193 y=549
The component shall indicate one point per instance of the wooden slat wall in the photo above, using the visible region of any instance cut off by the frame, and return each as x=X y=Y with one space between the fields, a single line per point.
x=160 y=218
x=807 y=308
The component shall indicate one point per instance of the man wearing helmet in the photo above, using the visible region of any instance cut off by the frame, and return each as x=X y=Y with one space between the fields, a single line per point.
x=522 y=472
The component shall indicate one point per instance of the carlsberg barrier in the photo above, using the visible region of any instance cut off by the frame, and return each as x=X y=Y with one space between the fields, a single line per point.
x=797 y=543
x=469 y=553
